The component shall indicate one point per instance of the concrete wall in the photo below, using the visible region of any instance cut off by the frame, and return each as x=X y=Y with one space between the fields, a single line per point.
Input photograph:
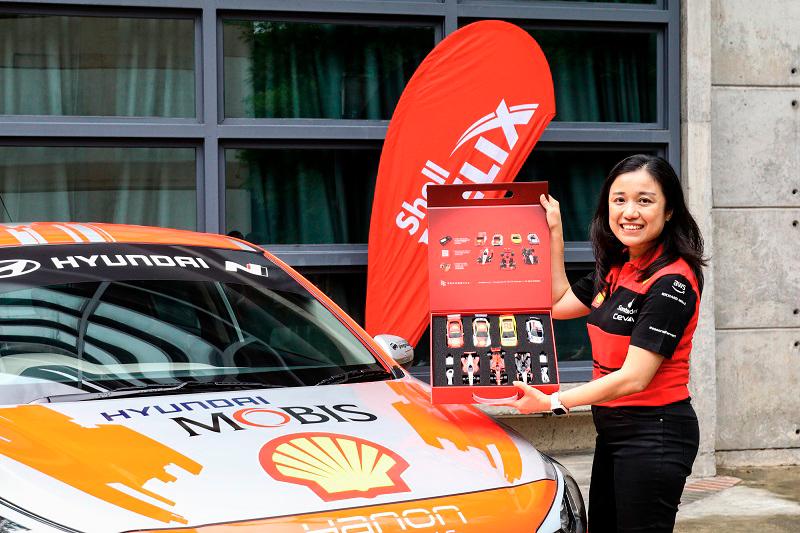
x=695 y=169
x=755 y=175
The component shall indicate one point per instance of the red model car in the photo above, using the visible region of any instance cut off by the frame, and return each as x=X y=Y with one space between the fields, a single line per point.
x=455 y=331
x=498 y=366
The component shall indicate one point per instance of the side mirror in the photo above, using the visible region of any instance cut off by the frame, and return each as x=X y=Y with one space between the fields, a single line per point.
x=397 y=348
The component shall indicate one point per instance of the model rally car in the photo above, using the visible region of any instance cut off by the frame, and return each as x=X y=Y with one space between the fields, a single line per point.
x=455 y=331
x=508 y=330
x=480 y=332
x=165 y=380
x=535 y=330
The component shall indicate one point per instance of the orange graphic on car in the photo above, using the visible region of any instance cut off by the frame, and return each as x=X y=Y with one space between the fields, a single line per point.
x=462 y=425
x=92 y=459
x=335 y=467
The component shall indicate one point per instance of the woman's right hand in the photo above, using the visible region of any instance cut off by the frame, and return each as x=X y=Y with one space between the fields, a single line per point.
x=553 y=211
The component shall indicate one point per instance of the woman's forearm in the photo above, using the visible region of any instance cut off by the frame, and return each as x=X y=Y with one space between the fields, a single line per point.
x=560 y=283
x=635 y=375
x=607 y=388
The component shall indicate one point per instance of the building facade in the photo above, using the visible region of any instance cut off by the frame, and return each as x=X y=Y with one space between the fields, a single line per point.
x=266 y=117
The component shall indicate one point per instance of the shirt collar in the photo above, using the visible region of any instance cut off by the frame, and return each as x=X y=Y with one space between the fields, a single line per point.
x=644 y=260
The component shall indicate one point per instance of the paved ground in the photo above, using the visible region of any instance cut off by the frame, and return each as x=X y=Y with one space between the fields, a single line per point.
x=742 y=500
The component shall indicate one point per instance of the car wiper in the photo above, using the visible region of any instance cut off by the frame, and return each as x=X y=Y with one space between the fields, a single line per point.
x=365 y=374
x=156 y=389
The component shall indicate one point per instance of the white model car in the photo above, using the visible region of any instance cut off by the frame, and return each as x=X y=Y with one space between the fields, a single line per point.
x=481 y=338
x=535 y=330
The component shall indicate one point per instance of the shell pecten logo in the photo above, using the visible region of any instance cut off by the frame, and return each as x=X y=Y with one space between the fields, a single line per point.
x=335 y=467
x=598 y=299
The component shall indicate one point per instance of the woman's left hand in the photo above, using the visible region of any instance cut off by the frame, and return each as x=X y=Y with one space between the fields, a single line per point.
x=532 y=400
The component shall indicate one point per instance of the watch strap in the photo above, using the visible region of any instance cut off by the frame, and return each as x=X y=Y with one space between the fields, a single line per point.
x=556 y=407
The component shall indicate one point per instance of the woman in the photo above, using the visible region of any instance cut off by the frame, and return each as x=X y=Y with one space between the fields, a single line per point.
x=642 y=301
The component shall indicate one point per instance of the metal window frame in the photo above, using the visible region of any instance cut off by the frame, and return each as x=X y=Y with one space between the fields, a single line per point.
x=211 y=134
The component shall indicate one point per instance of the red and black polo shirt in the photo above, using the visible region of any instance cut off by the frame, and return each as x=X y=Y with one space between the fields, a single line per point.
x=658 y=314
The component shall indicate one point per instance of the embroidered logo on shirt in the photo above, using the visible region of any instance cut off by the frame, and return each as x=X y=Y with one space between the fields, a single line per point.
x=679 y=287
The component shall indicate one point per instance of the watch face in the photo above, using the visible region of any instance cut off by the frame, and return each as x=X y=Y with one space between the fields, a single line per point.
x=560 y=411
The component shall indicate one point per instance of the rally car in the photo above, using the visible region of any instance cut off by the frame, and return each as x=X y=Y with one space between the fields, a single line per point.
x=165 y=380
x=508 y=330
x=481 y=337
x=535 y=330
x=455 y=331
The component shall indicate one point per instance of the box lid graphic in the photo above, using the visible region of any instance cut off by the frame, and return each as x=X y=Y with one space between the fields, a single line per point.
x=489 y=247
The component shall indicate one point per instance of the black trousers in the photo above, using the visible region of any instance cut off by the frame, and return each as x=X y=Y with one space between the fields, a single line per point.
x=642 y=458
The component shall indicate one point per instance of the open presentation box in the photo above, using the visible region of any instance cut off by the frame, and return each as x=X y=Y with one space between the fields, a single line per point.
x=490 y=292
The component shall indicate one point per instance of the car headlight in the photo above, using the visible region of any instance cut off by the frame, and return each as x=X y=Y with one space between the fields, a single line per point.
x=571 y=516
x=9 y=526
x=573 y=511
x=14 y=519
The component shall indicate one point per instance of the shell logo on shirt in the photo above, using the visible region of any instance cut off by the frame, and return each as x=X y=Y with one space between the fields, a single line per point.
x=334 y=467
x=598 y=299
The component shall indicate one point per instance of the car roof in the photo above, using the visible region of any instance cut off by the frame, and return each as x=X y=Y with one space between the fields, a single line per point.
x=44 y=233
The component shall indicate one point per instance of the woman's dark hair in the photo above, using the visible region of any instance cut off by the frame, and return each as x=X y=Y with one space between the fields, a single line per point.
x=681 y=236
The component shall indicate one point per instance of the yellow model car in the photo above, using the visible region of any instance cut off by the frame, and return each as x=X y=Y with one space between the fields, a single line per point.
x=508 y=330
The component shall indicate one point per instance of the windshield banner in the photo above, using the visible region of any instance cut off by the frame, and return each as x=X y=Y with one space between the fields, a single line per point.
x=471 y=113
x=39 y=266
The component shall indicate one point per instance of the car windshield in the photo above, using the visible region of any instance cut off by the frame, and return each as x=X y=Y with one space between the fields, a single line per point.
x=119 y=317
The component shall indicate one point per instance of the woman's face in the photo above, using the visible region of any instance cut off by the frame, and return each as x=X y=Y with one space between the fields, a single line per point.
x=637 y=211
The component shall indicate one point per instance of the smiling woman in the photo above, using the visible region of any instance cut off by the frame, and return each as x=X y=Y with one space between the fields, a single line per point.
x=637 y=211
x=642 y=303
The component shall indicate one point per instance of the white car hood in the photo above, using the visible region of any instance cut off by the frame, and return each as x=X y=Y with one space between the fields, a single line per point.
x=193 y=459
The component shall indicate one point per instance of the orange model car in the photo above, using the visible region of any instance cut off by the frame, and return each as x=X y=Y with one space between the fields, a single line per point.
x=455 y=331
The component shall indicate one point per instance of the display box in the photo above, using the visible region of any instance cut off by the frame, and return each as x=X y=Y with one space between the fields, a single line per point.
x=490 y=292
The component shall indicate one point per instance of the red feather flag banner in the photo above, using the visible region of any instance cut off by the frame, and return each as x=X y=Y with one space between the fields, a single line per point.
x=471 y=113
